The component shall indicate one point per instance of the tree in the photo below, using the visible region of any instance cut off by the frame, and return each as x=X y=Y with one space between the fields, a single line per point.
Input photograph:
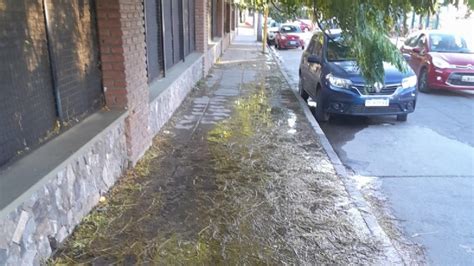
x=366 y=24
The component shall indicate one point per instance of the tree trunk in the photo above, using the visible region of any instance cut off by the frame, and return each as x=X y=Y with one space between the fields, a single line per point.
x=265 y=28
x=259 y=27
x=405 y=24
x=427 y=22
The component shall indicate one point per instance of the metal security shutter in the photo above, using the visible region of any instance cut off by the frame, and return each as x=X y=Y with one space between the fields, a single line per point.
x=214 y=19
x=27 y=108
x=173 y=32
x=154 y=39
x=192 y=27
x=75 y=56
x=233 y=18
x=186 y=26
x=227 y=18
x=168 y=33
x=189 y=30
x=177 y=29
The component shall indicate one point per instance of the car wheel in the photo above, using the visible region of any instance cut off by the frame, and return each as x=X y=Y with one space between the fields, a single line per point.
x=302 y=47
x=302 y=92
x=320 y=114
x=402 y=118
x=423 y=81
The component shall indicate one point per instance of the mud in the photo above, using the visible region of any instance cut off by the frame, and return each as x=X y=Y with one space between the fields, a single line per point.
x=236 y=177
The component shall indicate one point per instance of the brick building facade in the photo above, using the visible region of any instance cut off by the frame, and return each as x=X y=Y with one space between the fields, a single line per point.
x=108 y=74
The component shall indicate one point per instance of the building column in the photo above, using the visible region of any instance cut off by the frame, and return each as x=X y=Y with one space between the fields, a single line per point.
x=201 y=17
x=124 y=69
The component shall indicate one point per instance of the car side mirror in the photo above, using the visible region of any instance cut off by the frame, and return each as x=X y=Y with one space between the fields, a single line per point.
x=314 y=59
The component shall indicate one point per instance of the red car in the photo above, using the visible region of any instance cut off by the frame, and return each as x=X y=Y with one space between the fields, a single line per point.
x=441 y=60
x=305 y=24
x=289 y=36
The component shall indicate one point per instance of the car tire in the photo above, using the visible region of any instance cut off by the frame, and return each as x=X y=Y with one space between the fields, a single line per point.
x=402 y=118
x=302 y=47
x=320 y=114
x=302 y=92
x=423 y=81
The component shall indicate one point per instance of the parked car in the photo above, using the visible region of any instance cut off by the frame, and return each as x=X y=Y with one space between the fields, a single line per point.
x=305 y=24
x=289 y=36
x=272 y=29
x=329 y=74
x=442 y=60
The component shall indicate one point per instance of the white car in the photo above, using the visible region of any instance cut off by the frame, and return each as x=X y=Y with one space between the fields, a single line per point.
x=272 y=29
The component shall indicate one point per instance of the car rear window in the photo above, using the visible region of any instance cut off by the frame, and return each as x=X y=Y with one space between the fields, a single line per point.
x=338 y=49
x=450 y=43
x=289 y=28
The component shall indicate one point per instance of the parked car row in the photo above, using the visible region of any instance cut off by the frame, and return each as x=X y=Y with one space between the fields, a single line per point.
x=289 y=36
x=282 y=30
x=329 y=74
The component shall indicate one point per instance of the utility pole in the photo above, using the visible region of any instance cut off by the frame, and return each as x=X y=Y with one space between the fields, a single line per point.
x=259 y=27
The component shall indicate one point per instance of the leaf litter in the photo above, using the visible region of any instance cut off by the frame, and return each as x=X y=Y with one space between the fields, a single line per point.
x=254 y=189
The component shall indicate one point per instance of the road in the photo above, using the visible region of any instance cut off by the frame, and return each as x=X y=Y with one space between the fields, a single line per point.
x=425 y=166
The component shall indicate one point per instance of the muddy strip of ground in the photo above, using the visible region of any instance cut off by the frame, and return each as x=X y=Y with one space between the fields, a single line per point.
x=236 y=177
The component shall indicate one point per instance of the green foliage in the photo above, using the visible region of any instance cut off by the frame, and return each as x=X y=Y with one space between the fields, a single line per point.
x=366 y=22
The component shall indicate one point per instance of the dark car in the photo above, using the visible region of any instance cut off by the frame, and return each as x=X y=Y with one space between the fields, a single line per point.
x=442 y=60
x=289 y=36
x=329 y=74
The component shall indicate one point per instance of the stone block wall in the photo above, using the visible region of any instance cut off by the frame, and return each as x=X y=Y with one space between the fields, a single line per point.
x=51 y=213
x=29 y=233
x=212 y=55
x=163 y=107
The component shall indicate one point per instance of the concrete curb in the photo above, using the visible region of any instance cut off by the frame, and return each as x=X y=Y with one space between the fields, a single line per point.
x=358 y=200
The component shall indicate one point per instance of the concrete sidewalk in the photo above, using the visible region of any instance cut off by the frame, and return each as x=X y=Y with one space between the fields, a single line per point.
x=238 y=176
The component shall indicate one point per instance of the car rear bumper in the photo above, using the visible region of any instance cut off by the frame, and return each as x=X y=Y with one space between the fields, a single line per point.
x=291 y=43
x=350 y=103
x=450 y=79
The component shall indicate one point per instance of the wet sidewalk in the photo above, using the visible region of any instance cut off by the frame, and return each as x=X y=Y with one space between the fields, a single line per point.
x=236 y=177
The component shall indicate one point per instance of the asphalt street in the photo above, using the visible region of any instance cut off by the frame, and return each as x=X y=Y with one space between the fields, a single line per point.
x=425 y=166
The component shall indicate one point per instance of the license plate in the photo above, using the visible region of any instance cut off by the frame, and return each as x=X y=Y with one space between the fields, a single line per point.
x=292 y=42
x=467 y=78
x=377 y=102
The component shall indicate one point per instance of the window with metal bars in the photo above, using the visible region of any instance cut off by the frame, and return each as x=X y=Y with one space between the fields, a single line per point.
x=154 y=39
x=227 y=18
x=50 y=70
x=170 y=30
x=214 y=22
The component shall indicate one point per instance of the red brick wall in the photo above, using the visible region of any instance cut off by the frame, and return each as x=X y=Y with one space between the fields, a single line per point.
x=123 y=56
x=110 y=38
x=201 y=17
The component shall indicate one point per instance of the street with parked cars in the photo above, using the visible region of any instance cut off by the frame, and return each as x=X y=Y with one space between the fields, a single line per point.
x=422 y=166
